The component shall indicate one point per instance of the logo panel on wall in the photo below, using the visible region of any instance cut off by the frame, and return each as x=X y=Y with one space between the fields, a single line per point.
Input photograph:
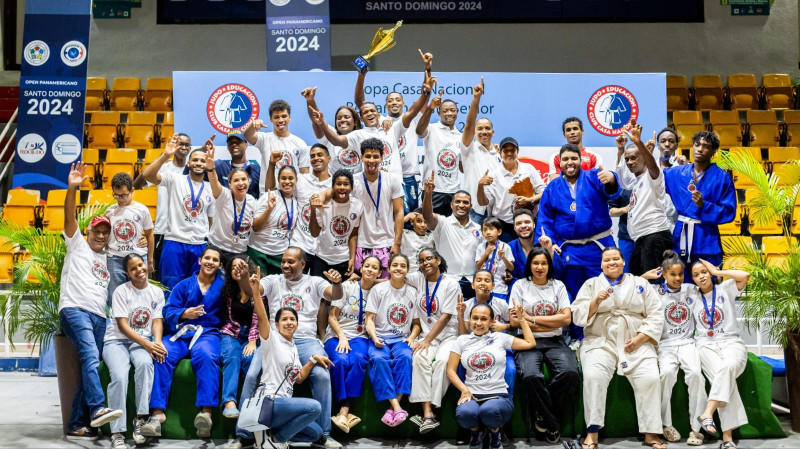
x=231 y=106
x=610 y=109
x=36 y=52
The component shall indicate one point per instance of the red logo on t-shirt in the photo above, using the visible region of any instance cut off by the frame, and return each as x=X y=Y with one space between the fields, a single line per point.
x=718 y=318
x=397 y=315
x=348 y=158
x=291 y=301
x=187 y=206
x=676 y=314
x=447 y=159
x=340 y=226
x=140 y=318
x=543 y=308
x=124 y=230
x=481 y=361
x=286 y=159
x=291 y=372
x=423 y=304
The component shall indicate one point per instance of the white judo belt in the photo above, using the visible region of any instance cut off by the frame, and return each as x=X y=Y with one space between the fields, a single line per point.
x=198 y=330
x=687 y=235
x=593 y=239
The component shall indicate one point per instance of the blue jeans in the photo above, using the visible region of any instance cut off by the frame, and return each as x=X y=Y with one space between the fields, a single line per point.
x=86 y=331
x=411 y=194
x=116 y=275
x=294 y=419
x=626 y=248
x=118 y=356
x=233 y=363
x=492 y=413
x=476 y=217
x=320 y=380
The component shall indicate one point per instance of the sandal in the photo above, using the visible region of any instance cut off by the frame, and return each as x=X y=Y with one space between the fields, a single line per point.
x=341 y=422
x=428 y=424
x=727 y=445
x=352 y=420
x=707 y=426
x=417 y=419
x=399 y=417
x=588 y=445
x=388 y=417
x=695 y=439
x=656 y=444
x=671 y=434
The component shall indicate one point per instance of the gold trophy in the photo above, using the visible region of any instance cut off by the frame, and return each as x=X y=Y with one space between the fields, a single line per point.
x=383 y=41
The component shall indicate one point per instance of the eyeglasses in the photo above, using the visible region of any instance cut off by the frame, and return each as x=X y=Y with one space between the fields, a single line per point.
x=426 y=259
x=120 y=196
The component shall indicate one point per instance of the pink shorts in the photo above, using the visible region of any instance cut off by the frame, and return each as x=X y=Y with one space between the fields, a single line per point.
x=383 y=254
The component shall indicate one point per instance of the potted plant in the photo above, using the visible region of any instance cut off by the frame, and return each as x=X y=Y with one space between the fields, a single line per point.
x=773 y=293
x=32 y=304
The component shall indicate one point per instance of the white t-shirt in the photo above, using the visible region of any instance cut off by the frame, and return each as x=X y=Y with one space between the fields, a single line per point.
x=127 y=224
x=307 y=185
x=501 y=203
x=499 y=307
x=457 y=244
x=442 y=155
x=187 y=225
x=273 y=238
x=393 y=309
x=540 y=300
x=484 y=359
x=349 y=305
x=412 y=244
x=295 y=153
x=494 y=263
x=345 y=158
x=221 y=234
x=678 y=321
x=279 y=361
x=304 y=296
x=725 y=325
x=407 y=147
x=377 y=232
x=391 y=155
x=337 y=223
x=140 y=307
x=162 y=206
x=444 y=300
x=648 y=211
x=84 y=277
x=476 y=160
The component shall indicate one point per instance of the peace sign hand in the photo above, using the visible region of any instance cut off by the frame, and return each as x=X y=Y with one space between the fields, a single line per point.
x=255 y=281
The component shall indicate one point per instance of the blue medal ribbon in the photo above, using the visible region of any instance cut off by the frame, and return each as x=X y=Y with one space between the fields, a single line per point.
x=489 y=265
x=237 y=221
x=666 y=288
x=710 y=313
x=289 y=214
x=613 y=283
x=369 y=192
x=195 y=199
x=428 y=297
x=360 y=304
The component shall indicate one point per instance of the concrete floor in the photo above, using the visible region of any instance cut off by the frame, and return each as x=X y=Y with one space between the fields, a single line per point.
x=31 y=418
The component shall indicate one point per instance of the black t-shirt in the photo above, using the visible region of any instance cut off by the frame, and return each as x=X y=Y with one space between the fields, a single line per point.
x=242 y=312
x=623 y=200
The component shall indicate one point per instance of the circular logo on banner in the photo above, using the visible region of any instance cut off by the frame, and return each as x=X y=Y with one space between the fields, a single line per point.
x=31 y=148
x=73 y=53
x=231 y=106
x=481 y=361
x=610 y=108
x=66 y=148
x=36 y=52
x=279 y=2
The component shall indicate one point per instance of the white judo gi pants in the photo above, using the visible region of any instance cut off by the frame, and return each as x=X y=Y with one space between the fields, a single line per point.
x=429 y=380
x=684 y=357
x=599 y=366
x=722 y=363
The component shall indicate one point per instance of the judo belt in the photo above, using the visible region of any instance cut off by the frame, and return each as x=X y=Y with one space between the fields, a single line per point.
x=687 y=235
x=188 y=328
x=593 y=239
x=626 y=324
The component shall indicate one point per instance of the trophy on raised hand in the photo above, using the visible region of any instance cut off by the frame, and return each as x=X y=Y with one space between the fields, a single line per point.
x=383 y=41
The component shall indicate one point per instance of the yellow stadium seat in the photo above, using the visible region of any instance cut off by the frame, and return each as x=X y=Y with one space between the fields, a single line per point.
x=96 y=94
x=778 y=91
x=100 y=196
x=20 y=208
x=791 y=122
x=780 y=155
x=158 y=94
x=54 y=210
x=734 y=257
x=774 y=226
x=743 y=91
x=727 y=126
x=687 y=123
x=764 y=129
x=140 y=130
x=166 y=129
x=103 y=129
x=6 y=266
x=708 y=93
x=677 y=93
x=148 y=197
x=118 y=160
x=796 y=220
x=124 y=94
x=739 y=180
x=149 y=156
x=777 y=248
x=91 y=159
x=734 y=227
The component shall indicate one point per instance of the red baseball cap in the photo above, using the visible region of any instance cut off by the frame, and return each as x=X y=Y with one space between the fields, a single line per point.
x=101 y=219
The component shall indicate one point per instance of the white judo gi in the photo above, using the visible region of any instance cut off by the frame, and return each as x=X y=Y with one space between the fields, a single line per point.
x=677 y=350
x=633 y=307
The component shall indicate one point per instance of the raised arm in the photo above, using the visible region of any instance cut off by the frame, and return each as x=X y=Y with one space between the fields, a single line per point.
x=358 y=94
x=472 y=115
x=427 y=204
x=425 y=119
x=151 y=172
x=528 y=341
x=424 y=94
x=318 y=119
x=485 y=180
x=260 y=221
x=74 y=181
x=309 y=94
x=740 y=277
x=635 y=134
x=261 y=311
x=251 y=130
x=333 y=291
x=211 y=171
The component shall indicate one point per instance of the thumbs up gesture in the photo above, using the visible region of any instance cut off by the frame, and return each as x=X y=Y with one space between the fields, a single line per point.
x=486 y=179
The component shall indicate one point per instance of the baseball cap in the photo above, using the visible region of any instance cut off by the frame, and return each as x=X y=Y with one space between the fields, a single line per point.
x=238 y=133
x=100 y=219
x=510 y=140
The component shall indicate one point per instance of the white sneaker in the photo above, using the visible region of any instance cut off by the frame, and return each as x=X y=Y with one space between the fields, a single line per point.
x=330 y=443
x=118 y=441
x=270 y=443
x=138 y=438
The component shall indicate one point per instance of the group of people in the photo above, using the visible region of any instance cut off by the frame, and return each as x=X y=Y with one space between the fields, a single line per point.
x=342 y=259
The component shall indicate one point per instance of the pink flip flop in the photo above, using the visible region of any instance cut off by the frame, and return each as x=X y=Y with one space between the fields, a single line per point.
x=388 y=418
x=399 y=417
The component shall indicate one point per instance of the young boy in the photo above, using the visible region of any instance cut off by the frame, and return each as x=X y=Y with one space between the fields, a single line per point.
x=414 y=241
x=494 y=256
x=129 y=221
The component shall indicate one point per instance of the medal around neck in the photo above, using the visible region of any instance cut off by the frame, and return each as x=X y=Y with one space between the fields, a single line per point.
x=382 y=42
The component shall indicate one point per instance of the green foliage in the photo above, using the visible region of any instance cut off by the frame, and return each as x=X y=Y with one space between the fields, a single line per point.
x=773 y=293
x=32 y=303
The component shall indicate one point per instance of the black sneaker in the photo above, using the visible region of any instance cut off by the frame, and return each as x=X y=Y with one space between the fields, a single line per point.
x=552 y=436
x=539 y=424
x=495 y=442
x=476 y=440
x=83 y=434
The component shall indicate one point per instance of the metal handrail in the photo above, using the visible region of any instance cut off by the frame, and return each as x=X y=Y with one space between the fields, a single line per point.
x=5 y=148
